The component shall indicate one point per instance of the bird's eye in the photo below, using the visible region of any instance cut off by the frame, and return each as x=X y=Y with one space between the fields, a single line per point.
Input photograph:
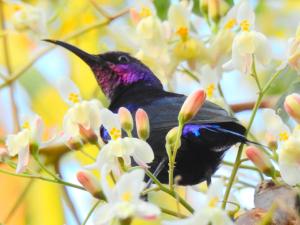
x=123 y=59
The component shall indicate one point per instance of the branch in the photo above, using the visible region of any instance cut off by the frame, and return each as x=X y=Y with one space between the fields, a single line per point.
x=73 y=35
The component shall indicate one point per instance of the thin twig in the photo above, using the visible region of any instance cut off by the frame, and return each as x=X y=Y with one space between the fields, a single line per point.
x=73 y=35
x=19 y=201
x=7 y=60
x=91 y=212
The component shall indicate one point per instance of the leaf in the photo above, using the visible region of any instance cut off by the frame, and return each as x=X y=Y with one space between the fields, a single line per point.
x=162 y=8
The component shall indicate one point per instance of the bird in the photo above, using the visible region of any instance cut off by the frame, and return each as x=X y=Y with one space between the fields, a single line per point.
x=129 y=83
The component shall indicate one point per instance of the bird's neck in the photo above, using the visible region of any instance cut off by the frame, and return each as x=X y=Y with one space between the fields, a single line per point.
x=136 y=88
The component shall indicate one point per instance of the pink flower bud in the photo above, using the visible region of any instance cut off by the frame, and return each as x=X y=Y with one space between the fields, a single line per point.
x=191 y=106
x=126 y=119
x=142 y=124
x=74 y=144
x=260 y=160
x=88 y=134
x=90 y=183
x=292 y=106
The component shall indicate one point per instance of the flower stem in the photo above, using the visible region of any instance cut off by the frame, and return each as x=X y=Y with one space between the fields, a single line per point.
x=18 y=201
x=240 y=150
x=172 y=158
x=169 y=191
x=90 y=212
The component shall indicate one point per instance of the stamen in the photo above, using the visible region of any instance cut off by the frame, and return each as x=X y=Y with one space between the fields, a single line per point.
x=145 y=12
x=213 y=202
x=183 y=32
x=115 y=133
x=245 y=25
x=230 y=24
x=283 y=136
x=26 y=125
x=73 y=97
x=210 y=90
x=126 y=196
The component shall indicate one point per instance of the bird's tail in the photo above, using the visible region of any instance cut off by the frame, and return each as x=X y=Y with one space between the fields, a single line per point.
x=241 y=137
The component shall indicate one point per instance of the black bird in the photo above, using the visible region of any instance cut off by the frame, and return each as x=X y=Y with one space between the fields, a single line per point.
x=127 y=82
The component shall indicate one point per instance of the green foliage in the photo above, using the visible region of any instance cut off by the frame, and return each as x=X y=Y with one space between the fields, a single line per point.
x=162 y=8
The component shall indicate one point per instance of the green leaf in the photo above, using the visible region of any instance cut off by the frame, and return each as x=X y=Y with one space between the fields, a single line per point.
x=162 y=7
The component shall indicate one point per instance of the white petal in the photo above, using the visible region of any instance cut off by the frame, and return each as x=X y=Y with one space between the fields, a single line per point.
x=147 y=210
x=290 y=172
x=109 y=119
x=263 y=51
x=37 y=129
x=23 y=159
x=16 y=142
x=143 y=152
x=66 y=86
x=132 y=182
x=245 y=12
x=104 y=214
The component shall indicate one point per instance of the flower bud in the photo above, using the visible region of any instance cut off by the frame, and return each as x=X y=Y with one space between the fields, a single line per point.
x=214 y=10
x=142 y=124
x=204 y=7
x=88 y=134
x=260 y=160
x=171 y=136
x=74 y=144
x=3 y=153
x=90 y=183
x=126 y=119
x=191 y=106
x=292 y=106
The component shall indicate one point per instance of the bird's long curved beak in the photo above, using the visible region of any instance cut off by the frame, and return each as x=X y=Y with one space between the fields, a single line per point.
x=86 y=57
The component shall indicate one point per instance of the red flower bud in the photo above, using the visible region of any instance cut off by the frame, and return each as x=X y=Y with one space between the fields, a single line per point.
x=90 y=183
x=292 y=106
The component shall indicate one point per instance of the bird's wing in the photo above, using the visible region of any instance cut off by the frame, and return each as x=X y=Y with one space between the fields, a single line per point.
x=163 y=113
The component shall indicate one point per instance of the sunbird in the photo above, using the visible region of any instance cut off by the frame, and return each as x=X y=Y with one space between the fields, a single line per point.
x=127 y=82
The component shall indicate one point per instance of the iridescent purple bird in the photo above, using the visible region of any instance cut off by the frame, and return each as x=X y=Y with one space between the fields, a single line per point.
x=127 y=82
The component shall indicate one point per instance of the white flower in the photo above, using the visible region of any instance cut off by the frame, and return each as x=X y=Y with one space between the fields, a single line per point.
x=292 y=54
x=245 y=45
x=206 y=208
x=269 y=128
x=123 y=200
x=69 y=91
x=289 y=158
x=84 y=113
x=19 y=144
x=29 y=18
x=179 y=16
x=240 y=14
x=119 y=147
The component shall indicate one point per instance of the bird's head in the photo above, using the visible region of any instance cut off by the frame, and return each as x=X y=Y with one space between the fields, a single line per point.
x=114 y=70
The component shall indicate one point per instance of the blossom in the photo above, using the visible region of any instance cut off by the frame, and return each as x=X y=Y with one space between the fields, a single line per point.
x=289 y=158
x=85 y=114
x=269 y=129
x=246 y=46
x=118 y=147
x=123 y=200
x=19 y=144
x=292 y=53
x=240 y=14
x=206 y=208
x=29 y=18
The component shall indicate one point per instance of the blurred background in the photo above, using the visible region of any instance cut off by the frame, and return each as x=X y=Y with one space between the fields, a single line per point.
x=30 y=83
